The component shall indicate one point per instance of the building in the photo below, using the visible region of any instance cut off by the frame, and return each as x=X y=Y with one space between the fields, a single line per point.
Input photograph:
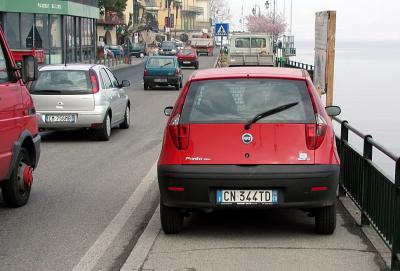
x=64 y=29
x=203 y=19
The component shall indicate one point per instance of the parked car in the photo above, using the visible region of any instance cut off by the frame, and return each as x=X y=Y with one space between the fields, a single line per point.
x=19 y=136
x=162 y=71
x=188 y=57
x=180 y=45
x=81 y=96
x=138 y=50
x=248 y=137
x=117 y=50
x=168 y=48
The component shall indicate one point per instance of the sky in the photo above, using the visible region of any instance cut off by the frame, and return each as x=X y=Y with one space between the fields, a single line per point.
x=356 y=20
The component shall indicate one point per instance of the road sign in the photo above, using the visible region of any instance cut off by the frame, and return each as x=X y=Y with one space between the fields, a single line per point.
x=221 y=29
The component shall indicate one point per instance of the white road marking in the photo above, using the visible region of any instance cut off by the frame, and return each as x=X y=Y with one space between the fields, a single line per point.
x=97 y=250
x=143 y=246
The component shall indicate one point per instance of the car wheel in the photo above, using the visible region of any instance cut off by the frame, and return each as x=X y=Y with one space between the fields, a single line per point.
x=127 y=119
x=171 y=220
x=17 y=189
x=325 y=219
x=104 y=132
x=196 y=66
x=180 y=84
x=177 y=86
x=146 y=86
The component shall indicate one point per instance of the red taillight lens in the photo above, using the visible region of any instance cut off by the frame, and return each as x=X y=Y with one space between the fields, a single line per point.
x=145 y=72
x=315 y=133
x=179 y=133
x=94 y=80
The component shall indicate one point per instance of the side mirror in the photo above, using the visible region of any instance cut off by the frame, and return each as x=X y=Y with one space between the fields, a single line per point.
x=29 y=69
x=168 y=111
x=333 y=111
x=125 y=83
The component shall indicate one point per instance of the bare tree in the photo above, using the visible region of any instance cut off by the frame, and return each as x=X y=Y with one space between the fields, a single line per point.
x=267 y=24
x=220 y=11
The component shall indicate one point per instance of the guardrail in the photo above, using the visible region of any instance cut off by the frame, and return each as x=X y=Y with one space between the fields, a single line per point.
x=110 y=61
x=373 y=192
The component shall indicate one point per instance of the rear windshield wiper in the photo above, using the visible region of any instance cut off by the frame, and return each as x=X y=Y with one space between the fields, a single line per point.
x=269 y=113
x=46 y=90
x=166 y=64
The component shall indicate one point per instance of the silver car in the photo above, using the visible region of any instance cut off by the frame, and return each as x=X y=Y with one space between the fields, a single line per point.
x=80 y=96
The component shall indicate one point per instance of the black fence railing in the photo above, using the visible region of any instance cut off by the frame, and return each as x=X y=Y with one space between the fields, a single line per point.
x=299 y=65
x=376 y=194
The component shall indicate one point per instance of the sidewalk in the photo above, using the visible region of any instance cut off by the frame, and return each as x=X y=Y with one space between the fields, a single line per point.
x=258 y=240
x=135 y=61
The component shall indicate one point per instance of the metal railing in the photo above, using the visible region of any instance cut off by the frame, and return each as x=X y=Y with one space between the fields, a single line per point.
x=110 y=61
x=376 y=194
x=299 y=65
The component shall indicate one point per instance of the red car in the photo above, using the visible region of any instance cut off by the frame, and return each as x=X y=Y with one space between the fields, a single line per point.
x=249 y=137
x=188 y=57
x=19 y=136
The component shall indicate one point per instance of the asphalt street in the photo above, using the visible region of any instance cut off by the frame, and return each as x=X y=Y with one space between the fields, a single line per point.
x=82 y=184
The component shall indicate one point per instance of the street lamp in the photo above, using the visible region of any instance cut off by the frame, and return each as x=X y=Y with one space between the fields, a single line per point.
x=254 y=10
x=267 y=4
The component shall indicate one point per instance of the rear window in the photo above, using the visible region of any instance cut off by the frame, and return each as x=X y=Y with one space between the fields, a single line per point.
x=160 y=62
x=239 y=100
x=64 y=82
x=168 y=45
x=242 y=43
x=186 y=52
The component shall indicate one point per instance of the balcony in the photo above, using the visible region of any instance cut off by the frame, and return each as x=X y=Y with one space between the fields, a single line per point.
x=110 y=18
x=192 y=10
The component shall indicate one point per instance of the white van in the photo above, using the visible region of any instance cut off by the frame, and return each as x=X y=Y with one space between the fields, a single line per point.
x=248 y=49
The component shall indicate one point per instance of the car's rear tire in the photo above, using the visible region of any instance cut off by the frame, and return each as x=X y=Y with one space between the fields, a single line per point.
x=177 y=86
x=196 y=67
x=325 y=219
x=146 y=86
x=15 y=191
x=171 y=219
x=127 y=119
x=104 y=132
x=181 y=84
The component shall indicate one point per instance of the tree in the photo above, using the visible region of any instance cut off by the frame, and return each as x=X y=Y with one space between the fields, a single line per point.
x=117 y=6
x=267 y=24
x=220 y=11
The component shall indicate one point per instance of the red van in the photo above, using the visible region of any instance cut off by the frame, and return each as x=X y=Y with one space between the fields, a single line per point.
x=19 y=137
x=249 y=137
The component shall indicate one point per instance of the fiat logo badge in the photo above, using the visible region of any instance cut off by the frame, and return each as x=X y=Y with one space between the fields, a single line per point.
x=247 y=138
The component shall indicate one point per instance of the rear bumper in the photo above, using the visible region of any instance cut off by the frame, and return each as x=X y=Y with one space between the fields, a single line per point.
x=188 y=62
x=84 y=119
x=170 y=80
x=293 y=183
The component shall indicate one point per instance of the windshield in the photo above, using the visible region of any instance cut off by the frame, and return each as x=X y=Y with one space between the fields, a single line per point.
x=168 y=45
x=240 y=100
x=160 y=62
x=62 y=82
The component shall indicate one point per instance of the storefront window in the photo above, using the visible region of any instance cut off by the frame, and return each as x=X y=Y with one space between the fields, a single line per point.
x=41 y=32
x=12 y=30
x=70 y=31
x=55 y=39
x=27 y=30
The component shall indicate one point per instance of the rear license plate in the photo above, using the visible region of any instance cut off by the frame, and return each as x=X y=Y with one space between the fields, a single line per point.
x=186 y=62
x=160 y=80
x=71 y=118
x=247 y=196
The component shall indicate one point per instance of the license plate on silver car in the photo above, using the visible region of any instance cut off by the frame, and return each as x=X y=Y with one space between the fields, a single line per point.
x=247 y=196
x=67 y=118
x=160 y=80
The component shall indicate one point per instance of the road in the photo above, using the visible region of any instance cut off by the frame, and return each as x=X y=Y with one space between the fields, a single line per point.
x=82 y=184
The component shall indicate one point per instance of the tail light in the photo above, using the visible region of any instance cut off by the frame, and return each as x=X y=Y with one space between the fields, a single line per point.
x=94 y=80
x=145 y=73
x=179 y=133
x=315 y=133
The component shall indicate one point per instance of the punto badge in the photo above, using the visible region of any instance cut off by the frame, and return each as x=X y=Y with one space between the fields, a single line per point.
x=247 y=138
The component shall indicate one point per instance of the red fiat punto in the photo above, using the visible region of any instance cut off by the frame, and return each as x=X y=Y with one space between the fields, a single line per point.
x=249 y=137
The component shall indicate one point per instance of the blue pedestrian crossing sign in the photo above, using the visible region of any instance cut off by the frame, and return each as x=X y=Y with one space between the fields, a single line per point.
x=221 y=29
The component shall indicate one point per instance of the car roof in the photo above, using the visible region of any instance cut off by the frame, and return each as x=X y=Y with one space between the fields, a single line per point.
x=158 y=56
x=80 y=67
x=267 y=72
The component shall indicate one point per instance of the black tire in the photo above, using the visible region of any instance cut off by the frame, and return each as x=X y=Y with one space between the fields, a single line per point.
x=127 y=119
x=104 y=132
x=196 y=67
x=177 y=86
x=146 y=86
x=181 y=84
x=15 y=191
x=325 y=219
x=171 y=220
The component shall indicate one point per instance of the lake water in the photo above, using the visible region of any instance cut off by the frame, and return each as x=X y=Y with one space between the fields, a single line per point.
x=366 y=87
